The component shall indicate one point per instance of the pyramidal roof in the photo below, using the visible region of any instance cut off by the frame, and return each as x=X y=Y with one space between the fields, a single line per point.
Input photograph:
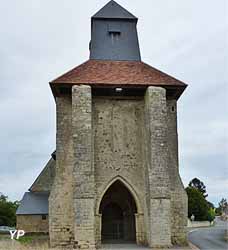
x=113 y=10
x=117 y=73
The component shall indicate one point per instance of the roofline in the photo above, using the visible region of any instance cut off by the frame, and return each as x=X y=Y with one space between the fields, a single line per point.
x=55 y=86
x=125 y=85
x=119 y=18
x=69 y=71
x=46 y=166
x=129 y=18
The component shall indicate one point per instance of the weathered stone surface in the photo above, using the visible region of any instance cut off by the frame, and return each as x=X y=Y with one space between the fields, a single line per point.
x=158 y=182
x=61 y=214
x=179 y=200
x=118 y=126
x=33 y=223
x=83 y=170
x=101 y=140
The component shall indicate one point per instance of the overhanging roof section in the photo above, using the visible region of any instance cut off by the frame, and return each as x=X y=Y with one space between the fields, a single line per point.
x=33 y=204
x=113 y=10
x=104 y=73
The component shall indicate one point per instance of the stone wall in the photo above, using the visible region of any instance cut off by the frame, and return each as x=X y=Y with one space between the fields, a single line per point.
x=33 y=223
x=101 y=140
x=179 y=201
x=196 y=224
x=118 y=125
x=61 y=197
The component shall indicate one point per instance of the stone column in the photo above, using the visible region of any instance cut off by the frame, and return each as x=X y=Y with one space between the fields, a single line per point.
x=98 y=229
x=158 y=183
x=179 y=201
x=140 y=229
x=83 y=171
x=60 y=199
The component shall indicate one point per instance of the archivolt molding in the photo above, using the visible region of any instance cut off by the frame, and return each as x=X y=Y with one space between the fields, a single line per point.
x=127 y=185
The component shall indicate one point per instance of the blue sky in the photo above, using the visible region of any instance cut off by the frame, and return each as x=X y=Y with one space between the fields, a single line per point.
x=40 y=40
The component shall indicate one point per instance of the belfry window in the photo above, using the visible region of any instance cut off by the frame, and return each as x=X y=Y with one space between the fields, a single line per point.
x=114 y=31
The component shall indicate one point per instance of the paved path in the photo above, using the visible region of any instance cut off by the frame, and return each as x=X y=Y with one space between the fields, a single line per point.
x=210 y=238
x=124 y=247
x=135 y=247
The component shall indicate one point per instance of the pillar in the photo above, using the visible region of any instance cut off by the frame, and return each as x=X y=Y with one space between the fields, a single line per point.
x=83 y=170
x=158 y=182
x=60 y=199
x=179 y=200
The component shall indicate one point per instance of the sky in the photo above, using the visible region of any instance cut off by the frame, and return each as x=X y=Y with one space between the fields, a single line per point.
x=41 y=40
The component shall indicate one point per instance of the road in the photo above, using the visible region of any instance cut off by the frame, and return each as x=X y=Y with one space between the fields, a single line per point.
x=210 y=238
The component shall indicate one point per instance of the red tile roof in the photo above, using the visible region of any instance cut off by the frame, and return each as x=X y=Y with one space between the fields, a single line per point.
x=116 y=73
x=96 y=72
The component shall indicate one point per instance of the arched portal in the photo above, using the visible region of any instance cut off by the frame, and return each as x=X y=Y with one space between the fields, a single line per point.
x=118 y=209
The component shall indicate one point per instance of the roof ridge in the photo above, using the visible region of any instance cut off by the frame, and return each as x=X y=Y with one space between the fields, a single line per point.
x=113 y=10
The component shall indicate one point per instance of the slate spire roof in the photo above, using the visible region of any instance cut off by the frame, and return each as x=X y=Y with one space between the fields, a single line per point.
x=113 y=10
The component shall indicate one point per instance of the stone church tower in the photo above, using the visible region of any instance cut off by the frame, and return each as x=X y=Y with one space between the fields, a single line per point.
x=116 y=176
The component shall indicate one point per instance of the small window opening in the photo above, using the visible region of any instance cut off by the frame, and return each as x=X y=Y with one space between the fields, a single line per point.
x=114 y=28
x=173 y=109
x=44 y=217
x=114 y=33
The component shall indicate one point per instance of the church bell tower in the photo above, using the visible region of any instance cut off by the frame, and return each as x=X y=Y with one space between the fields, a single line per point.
x=117 y=173
x=114 y=35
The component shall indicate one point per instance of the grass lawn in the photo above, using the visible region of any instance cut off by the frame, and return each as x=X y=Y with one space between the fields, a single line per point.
x=27 y=242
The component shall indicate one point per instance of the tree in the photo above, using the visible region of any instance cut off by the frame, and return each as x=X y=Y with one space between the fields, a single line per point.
x=197 y=204
x=211 y=214
x=210 y=204
x=196 y=183
x=7 y=211
x=223 y=205
x=3 y=198
x=222 y=208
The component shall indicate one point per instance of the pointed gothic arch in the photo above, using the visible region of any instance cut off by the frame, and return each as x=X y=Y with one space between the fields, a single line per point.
x=118 y=208
x=129 y=188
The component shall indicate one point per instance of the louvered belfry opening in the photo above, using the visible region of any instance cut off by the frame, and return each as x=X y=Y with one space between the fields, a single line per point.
x=118 y=210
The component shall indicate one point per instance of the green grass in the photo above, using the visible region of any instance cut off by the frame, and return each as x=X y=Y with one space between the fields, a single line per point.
x=26 y=239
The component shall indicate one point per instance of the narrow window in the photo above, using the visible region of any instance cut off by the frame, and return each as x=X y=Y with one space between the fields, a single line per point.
x=44 y=217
